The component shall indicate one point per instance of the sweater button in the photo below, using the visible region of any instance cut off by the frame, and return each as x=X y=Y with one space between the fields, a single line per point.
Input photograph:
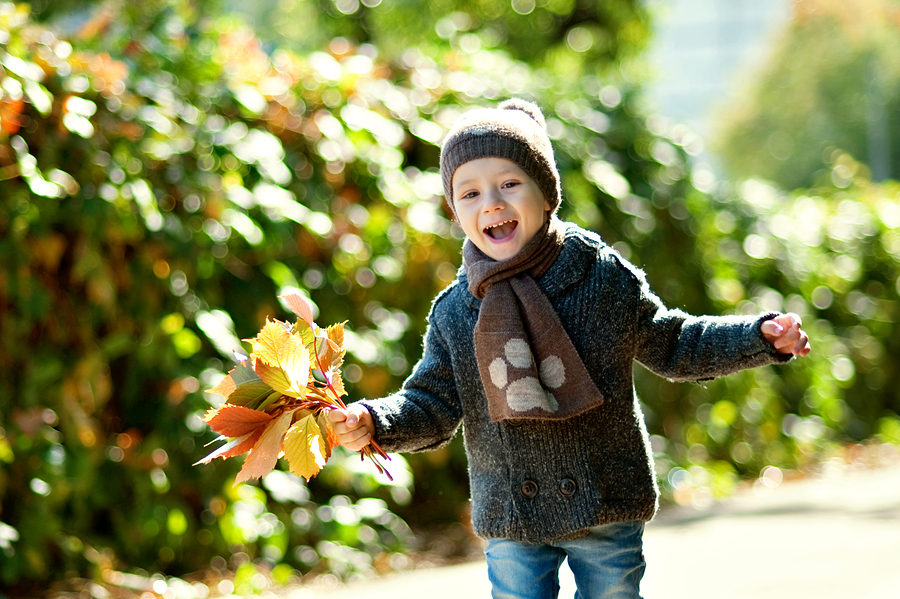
x=567 y=487
x=529 y=489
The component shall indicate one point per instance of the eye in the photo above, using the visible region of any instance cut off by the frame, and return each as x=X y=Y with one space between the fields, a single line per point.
x=509 y=184
x=469 y=195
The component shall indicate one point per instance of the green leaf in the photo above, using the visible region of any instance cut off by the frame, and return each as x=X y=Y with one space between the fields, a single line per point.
x=243 y=373
x=249 y=393
x=302 y=328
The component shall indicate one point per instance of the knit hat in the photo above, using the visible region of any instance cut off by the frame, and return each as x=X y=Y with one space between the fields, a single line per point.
x=516 y=131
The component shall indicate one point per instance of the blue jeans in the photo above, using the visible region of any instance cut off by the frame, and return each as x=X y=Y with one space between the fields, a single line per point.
x=607 y=564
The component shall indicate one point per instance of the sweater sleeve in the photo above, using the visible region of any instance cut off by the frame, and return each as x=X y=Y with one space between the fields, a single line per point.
x=682 y=347
x=427 y=411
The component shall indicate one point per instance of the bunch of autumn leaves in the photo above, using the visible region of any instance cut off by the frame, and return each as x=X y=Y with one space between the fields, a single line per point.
x=277 y=398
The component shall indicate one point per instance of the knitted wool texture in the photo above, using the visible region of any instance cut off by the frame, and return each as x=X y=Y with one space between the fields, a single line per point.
x=528 y=365
x=612 y=318
x=515 y=130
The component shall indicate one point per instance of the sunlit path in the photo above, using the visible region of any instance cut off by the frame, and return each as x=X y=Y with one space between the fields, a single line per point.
x=833 y=537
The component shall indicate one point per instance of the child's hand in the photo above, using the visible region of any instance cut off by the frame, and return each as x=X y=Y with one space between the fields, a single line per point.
x=353 y=427
x=785 y=334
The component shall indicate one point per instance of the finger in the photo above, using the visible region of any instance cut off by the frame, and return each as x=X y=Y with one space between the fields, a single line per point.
x=336 y=415
x=771 y=328
x=342 y=430
x=789 y=336
x=789 y=341
x=794 y=342
x=784 y=342
x=355 y=414
x=790 y=321
x=352 y=435
x=355 y=439
x=802 y=346
x=795 y=319
x=351 y=421
x=359 y=444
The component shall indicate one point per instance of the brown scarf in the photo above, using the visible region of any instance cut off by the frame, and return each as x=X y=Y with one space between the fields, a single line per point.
x=528 y=365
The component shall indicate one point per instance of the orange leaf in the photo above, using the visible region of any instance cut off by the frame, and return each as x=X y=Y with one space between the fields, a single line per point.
x=335 y=356
x=327 y=432
x=234 y=447
x=225 y=387
x=299 y=305
x=285 y=357
x=235 y=421
x=337 y=383
x=264 y=455
x=305 y=448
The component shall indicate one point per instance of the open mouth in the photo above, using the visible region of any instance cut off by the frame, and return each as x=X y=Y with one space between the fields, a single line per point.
x=501 y=230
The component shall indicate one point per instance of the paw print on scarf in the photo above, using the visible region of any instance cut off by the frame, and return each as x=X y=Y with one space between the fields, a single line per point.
x=527 y=392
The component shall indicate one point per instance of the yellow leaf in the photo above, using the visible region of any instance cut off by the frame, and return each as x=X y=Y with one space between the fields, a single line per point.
x=278 y=379
x=336 y=345
x=305 y=448
x=282 y=361
x=264 y=455
x=337 y=382
x=336 y=334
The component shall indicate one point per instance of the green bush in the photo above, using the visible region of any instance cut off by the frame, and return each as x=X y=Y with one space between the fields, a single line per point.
x=151 y=212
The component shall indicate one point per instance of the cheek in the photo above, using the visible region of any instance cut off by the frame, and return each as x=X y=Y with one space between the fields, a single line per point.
x=465 y=219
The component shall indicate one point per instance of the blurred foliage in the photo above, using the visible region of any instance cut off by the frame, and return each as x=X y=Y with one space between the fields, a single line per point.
x=165 y=178
x=601 y=34
x=832 y=85
x=50 y=10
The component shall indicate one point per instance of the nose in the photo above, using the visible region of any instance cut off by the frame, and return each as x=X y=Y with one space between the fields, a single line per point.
x=493 y=201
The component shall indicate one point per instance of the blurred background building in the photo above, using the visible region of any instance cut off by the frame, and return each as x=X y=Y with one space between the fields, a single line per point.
x=703 y=51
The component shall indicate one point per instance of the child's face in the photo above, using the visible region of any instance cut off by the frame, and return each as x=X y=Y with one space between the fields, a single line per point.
x=499 y=207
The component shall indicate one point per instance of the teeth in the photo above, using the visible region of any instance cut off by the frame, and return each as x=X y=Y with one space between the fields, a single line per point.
x=498 y=224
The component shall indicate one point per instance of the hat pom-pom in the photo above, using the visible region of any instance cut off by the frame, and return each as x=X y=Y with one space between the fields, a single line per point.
x=527 y=107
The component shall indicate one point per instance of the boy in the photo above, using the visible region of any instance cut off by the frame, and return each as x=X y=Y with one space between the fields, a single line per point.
x=559 y=459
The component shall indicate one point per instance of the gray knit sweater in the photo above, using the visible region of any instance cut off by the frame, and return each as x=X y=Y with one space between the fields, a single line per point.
x=541 y=480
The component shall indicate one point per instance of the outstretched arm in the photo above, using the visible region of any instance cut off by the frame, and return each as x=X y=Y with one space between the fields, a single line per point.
x=682 y=347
